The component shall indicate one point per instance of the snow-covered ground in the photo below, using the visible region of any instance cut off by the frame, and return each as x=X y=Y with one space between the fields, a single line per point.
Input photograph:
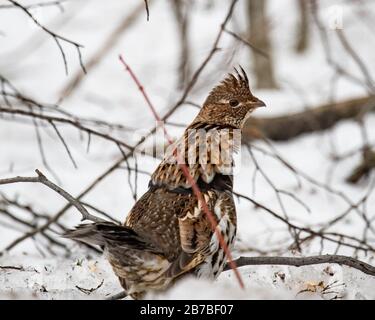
x=108 y=93
x=82 y=278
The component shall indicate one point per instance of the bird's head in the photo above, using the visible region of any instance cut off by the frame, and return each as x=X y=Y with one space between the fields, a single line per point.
x=230 y=103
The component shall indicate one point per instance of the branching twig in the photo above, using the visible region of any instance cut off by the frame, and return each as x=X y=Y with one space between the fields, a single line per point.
x=54 y=35
x=327 y=49
x=91 y=290
x=78 y=125
x=41 y=178
x=126 y=22
x=332 y=237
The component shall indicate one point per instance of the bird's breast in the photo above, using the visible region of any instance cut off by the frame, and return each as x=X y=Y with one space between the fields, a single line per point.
x=206 y=153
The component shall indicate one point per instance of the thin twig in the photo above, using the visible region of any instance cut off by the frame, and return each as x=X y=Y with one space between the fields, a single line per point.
x=12 y=268
x=38 y=5
x=247 y=43
x=91 y=290
x=52 y=119
x=147 y=10
x=54 y=35
x=64 y=144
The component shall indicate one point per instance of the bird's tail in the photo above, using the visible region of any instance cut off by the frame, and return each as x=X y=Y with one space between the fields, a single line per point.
x=108 y=234
x=87 y=233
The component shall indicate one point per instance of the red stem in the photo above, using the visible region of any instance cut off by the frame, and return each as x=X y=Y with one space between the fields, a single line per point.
x=188 y=176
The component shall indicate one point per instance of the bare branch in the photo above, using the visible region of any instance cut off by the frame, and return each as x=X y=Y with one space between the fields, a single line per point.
x=247 y=43
x=91 y=290
x=38 y=5
x=70 y=122
x=349 y=49
x=43 y=180
x=64 y=144
x=320 y=118
x=54 y=35
x=331 y=237
x=180 y=10
x=62 y=211
x=305 y=261
x=327 y=49
x=127 y=21
x=12 y=268
x=147 y=10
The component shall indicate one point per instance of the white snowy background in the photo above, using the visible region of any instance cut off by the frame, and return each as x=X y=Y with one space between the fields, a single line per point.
x=32 y=61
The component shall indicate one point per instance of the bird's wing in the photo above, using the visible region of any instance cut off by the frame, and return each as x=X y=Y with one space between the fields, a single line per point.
x=195 y=235
x=155 y=217
x=175 y=222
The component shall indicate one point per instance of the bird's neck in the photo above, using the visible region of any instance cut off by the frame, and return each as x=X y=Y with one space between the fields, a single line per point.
x=208 y=125
x=207 y=151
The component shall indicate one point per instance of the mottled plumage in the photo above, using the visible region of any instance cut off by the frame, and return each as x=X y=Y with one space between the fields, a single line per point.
x=167 y=234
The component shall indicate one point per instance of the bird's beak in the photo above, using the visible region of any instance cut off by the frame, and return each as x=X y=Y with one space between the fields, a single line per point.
x=259 y=104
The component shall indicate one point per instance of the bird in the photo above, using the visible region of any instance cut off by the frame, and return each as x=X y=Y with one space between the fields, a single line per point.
x=167 y=235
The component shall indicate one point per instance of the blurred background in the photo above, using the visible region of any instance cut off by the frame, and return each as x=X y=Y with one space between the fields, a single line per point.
x=70 y=109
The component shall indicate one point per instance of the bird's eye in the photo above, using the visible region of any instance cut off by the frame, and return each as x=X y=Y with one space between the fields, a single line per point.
x=234 y=102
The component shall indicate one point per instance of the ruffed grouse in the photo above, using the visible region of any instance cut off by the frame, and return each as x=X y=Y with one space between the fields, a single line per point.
x=167 y=234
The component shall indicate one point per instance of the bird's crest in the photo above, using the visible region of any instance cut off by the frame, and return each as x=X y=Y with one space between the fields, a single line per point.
x=237 y=84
